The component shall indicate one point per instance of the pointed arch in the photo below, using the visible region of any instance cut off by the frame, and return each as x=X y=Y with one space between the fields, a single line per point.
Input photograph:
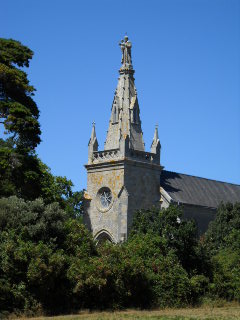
x=103 y=236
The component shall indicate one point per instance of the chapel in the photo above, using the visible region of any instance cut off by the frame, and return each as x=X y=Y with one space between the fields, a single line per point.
x=124 y=177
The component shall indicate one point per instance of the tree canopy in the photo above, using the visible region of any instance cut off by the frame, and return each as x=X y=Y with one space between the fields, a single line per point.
x=22 y=173
x=18 y=111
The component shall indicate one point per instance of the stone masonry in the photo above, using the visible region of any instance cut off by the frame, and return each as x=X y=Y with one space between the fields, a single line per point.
x=124 y=177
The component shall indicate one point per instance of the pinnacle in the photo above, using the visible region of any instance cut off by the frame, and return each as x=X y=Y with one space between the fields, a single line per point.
x=155 y=138
x=93 y=134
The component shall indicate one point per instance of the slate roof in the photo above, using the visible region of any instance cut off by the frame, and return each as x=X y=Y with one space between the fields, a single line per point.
x=198 y=191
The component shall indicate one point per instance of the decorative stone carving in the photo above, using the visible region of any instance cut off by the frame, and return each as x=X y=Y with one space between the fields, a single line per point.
x=126 y=47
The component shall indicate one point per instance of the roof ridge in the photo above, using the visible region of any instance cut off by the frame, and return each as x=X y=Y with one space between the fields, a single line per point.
x=190 y=175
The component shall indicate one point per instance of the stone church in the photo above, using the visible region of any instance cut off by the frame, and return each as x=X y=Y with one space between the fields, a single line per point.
x=124 y=177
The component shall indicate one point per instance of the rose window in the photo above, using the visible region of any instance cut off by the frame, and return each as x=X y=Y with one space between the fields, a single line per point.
x=105 y=199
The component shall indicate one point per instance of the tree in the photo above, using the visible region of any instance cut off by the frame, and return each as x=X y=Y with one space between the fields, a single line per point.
x=224 y=232
x=226 y=274
x=222 y=239
x=18 y=111
x=167 y=282
x=22 y=173
x=178 y=234
x=39 y=247
x=19 y=170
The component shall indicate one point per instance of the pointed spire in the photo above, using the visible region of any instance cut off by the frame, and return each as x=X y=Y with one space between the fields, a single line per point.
x=125 y=115
x=156 y=146
x=92 y=144
x=155 y=137
x=93 y=134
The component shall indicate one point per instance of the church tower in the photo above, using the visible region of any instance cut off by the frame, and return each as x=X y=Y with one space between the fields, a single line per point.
x=124 y=177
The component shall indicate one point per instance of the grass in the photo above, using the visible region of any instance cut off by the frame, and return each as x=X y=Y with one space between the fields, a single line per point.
x=203 y=313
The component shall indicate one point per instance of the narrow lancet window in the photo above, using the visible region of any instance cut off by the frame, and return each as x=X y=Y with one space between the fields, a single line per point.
x=115 y=115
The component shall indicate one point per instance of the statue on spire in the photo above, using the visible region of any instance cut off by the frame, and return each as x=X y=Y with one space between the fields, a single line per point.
x=126 y=46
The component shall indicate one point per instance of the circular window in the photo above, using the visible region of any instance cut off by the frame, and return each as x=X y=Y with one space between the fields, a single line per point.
x=104 y=199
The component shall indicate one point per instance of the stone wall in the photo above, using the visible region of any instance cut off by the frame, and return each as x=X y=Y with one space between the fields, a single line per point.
x=110 y=175
x=134 y=185
x=142 y=181
x=202 y=215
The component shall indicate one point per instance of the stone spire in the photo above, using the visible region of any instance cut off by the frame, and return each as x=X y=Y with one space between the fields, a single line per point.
x=92 y=144
x=125 y=116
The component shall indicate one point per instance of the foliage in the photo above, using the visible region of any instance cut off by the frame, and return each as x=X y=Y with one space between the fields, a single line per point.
x=223 y=242
x=224 y=230
x=226 y=279
x=168 y=281
x=22 y=173
x=109 y=280
x=26 y=176
x=45 y=252
x=37 y=243
x=179 y=235
x=32 y=220
x=18 y=110
x=19 y=167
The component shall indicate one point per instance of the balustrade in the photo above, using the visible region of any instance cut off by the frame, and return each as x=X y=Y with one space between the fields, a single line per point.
x=114 y=154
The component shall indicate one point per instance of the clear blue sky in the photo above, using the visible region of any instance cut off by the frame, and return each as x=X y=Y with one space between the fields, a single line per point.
x=186 y=54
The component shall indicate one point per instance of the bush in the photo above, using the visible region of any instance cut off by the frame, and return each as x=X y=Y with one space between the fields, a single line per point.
x=224 y=230
x=226 y=277
x=178 y=234
x=37 y=246
x=50 y=263
x=167 y=280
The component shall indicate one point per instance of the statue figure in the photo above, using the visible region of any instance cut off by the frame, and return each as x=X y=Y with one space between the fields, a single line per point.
x=126 y=46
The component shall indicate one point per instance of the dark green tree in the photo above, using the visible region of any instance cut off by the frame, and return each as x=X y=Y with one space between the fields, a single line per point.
x=22 y=173
x=19 y=169
x=222 y=240
x=18 y=111
x=39 y=247
x=179 y=235
x=224 y=230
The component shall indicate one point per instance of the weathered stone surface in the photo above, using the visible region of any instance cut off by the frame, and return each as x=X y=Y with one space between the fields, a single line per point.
x=125 y=114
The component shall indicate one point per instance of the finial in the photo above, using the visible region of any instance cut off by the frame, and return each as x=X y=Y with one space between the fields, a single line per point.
x=93 y=124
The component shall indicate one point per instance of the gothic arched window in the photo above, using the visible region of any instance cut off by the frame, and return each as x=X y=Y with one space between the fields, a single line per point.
x=103 y=237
